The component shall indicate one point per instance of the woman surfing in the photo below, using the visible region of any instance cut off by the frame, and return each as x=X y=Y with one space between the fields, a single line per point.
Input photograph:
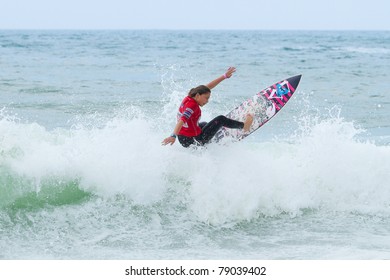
x=188 y=130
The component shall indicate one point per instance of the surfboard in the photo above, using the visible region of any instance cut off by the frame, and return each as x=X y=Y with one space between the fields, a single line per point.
x=263 y=106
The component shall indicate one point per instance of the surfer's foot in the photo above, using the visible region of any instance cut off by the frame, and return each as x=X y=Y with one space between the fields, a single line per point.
x=248 y=122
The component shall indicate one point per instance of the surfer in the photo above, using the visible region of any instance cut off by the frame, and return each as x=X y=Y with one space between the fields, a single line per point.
x=188 y=130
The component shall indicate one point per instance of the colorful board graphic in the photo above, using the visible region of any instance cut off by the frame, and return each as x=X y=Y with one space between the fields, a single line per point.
x=263 y=106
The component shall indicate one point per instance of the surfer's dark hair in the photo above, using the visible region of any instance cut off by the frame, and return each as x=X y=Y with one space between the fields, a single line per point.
x=199 y=89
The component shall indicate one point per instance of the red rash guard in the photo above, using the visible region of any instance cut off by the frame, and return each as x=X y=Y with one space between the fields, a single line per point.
x=189 y=113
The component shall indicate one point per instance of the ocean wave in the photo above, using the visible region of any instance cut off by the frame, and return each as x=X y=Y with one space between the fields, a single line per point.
x=321 y=166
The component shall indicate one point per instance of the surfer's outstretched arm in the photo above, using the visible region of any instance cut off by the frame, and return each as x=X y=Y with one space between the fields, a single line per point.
x=171 y=139
x=227 y=75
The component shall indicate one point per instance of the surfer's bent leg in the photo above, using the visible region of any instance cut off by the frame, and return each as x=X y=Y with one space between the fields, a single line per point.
x=186 y=141
x=211 y=128
x=202 y=125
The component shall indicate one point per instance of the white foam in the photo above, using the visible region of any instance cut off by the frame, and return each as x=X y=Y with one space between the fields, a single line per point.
x=322 y=166
x=124 y=156
x=326 y=169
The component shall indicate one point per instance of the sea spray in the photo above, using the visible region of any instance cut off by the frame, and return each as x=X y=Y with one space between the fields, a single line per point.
x=322 y=166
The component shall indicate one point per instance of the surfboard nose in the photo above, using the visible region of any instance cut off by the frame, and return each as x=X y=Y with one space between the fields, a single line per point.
x=294 y=81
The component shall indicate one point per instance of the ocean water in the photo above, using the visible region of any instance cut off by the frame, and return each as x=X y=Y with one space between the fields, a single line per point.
x=83 y=174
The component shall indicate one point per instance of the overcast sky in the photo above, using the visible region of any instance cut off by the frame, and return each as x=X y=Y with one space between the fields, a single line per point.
x=196 y=14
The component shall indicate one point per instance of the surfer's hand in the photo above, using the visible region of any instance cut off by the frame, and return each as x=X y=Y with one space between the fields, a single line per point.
x=168 y=140
x=229 y=72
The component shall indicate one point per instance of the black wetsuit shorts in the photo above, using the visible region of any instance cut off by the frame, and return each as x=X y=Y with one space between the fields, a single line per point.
x=209 y=130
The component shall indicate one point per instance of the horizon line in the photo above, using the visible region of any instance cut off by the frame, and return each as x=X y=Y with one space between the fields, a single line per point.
x=184 y=29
